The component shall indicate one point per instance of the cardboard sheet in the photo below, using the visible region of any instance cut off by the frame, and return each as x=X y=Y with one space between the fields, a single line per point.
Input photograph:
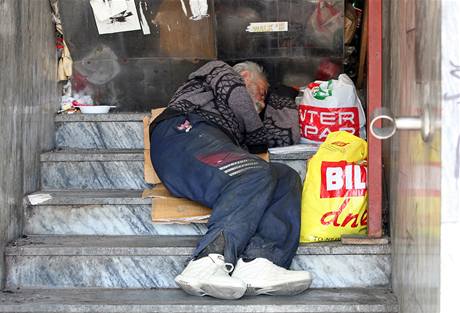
x=150 y=176
x=169 y=209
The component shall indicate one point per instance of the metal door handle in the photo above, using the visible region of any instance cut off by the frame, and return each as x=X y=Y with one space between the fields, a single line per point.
x=421 y=123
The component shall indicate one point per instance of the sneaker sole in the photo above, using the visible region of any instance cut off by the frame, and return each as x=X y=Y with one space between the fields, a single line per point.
x=282 y=289
x=196 y=288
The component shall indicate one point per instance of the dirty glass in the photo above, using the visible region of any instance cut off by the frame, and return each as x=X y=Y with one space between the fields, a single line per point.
x=295 y=40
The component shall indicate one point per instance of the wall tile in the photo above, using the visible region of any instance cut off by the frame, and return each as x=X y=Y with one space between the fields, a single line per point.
x=28 y=102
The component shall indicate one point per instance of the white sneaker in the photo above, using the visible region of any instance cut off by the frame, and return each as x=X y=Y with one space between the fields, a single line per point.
x=264 y=277
x=210 y=276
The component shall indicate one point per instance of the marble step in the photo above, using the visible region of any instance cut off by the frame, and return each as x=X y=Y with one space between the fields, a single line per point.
x=98 y=212
x=93 y=169
x=175 y=301
x=118 y=131
x=154 y=261
x=295 y=156
x=125 y=131
x=100 y=131
x=122 y=169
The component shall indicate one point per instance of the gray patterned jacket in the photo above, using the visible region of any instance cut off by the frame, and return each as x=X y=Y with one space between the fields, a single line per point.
x=218 y=93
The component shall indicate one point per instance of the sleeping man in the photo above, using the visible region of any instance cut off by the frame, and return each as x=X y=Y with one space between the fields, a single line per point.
x=202 y=148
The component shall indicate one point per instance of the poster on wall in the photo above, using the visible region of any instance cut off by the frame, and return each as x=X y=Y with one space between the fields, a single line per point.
x=115 y=16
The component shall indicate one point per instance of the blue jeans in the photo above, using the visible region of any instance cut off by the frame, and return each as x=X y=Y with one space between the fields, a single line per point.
x=255 y=205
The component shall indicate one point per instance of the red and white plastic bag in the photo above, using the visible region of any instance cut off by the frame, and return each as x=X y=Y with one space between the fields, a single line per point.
x=329 y=106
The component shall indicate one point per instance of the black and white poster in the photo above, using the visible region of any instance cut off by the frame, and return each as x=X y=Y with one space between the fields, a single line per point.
x=114 y=16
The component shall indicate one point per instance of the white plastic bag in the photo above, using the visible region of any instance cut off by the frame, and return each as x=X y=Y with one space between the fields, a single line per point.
x=330 y=106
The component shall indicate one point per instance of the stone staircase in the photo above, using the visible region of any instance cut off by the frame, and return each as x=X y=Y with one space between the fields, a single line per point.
x=93 y=247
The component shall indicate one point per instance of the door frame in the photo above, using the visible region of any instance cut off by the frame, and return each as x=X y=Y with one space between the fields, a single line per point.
x=374 y=101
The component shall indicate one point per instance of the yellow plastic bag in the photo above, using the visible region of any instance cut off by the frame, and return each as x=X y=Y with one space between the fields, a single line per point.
x=334 y=197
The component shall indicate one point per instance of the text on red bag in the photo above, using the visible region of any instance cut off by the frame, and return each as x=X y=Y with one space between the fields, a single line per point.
x=343 y=179
x=316 y=123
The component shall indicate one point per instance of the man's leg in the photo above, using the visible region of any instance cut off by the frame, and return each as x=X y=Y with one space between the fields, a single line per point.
x=198 y=161
x=277 y=236
x=203 y=164
x=270 y=251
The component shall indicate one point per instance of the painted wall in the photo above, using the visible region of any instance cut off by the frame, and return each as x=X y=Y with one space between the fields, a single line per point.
x=28 y=101
x=411 y=86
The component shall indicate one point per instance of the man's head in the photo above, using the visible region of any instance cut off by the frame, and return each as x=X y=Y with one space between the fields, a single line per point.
x=255 y=80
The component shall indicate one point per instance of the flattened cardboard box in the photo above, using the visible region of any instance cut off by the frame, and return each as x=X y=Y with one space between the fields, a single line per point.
x=165 y=207
x=150 y=176
x=168 y=209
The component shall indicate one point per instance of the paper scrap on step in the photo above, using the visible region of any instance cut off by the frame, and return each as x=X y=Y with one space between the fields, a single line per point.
x=115 y=16
x=39 y=198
